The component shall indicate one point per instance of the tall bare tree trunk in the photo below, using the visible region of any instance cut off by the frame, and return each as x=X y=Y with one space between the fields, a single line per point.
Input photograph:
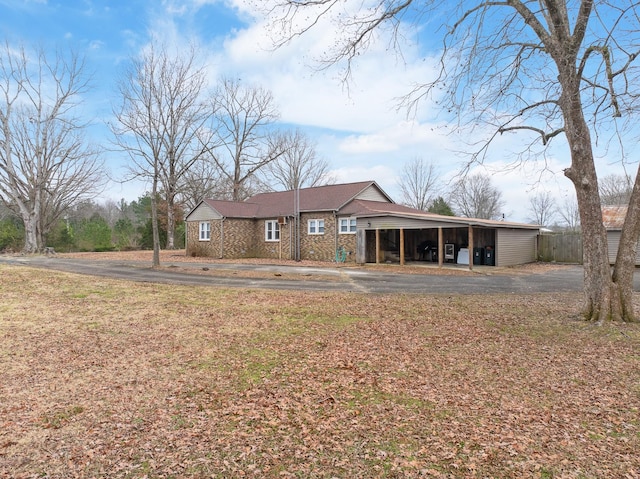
x=154 y=223
x=30 y=236
x=600 y=301
x=171 y=226
x=625 y=264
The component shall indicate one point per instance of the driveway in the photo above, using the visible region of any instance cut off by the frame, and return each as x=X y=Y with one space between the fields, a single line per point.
x=485 y=280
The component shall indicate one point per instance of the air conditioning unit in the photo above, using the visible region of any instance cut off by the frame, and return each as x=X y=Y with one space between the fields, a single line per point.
x=282 y=220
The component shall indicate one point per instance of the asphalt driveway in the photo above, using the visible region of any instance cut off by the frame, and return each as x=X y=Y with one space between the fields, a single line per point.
x=566 y=278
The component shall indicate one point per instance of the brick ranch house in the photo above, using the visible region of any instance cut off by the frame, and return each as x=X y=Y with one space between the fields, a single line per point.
x=352 y=222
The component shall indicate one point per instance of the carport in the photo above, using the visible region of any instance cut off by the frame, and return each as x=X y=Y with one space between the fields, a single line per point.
x=407 y=237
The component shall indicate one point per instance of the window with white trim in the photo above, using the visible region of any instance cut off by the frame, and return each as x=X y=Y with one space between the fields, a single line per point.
x=205 y=231
x=347 y=225
x=315 y=227
x=271 y=230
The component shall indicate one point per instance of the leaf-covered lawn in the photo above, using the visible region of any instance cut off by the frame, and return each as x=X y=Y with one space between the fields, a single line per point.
x=104 y=378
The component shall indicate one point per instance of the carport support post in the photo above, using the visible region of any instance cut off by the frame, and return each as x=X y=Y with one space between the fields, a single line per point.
x=377 y=246
x=401 y=246
x=470 y=248
x=440 y=247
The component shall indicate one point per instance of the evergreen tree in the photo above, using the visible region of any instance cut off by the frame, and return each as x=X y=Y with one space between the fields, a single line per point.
x=440 y=207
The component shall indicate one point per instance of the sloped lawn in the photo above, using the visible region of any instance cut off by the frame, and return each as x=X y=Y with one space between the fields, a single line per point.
x=104 y=378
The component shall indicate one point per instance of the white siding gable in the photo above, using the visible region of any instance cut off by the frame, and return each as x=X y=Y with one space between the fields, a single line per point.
x=372 y=193
x=203 y=212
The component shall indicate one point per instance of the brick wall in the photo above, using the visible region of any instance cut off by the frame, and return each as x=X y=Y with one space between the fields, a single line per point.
x=245 y=238
x=239 y=241
x=317 y=247
x=323 y=247
x=282 y=249
x=195 y=247
x=238 y=235
x=348 y=242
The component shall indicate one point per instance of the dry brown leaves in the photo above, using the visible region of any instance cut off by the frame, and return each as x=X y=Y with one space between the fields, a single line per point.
x=105 y=378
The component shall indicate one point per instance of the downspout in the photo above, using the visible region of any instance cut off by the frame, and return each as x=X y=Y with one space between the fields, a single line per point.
x=440 y=247
x=221 y=238
x=336 y=227
x=291 y=242
x=470 y=246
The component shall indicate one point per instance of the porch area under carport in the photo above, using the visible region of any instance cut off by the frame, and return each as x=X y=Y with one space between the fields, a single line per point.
x=453 y=245
x=443 y=240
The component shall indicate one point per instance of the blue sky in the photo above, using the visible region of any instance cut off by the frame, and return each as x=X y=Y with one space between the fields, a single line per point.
x=360 y=131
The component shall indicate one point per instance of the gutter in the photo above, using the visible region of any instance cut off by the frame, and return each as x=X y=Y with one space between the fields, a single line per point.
x=221 y=256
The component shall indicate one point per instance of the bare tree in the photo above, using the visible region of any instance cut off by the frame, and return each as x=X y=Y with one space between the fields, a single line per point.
x=542 y=208
x=419 y=183
x=203 y=180
x=299 y=165
x=616 y=189
x=546 y=69
x=163 y=123
x=570 y=215
x=244 y=129
x=46 y=165
x=474 y=196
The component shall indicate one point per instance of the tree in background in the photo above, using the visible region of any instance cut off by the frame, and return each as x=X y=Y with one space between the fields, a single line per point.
x=298 y=166
x=570 y=215
x=203 y=180
x=474 y=196
x=46 y=165
x=439 y=206
x=545 y=69
x=245 y=137
x=93 y=234
x=163 y=124
x=11 y=235
x=124 y=235
x=616 y=190
x=542 y=209
x=11 y=231
x=419 y=184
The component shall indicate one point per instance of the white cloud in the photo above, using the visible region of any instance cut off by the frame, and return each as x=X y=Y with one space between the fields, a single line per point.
x=427 y=140
x=319 y=97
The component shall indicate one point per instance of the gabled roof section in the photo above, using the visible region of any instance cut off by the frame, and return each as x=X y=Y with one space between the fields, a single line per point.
x=613 y=217
x=317 y=198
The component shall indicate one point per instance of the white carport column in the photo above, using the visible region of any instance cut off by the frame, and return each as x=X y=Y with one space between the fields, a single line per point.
x=377 y=246
x=470 y=248
x=440 y=248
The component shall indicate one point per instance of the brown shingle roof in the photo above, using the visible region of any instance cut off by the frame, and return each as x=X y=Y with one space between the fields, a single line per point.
x=281 y=203
x=318 y=198
x=233 y=209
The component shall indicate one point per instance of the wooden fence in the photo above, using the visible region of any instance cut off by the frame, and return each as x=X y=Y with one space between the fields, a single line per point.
x=560 y=248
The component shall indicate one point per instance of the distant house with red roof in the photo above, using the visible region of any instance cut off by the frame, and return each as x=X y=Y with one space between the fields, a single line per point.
x=351 y=222
x=613 y=219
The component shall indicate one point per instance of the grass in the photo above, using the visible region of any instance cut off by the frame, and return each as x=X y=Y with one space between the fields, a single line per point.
x=115 y=379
